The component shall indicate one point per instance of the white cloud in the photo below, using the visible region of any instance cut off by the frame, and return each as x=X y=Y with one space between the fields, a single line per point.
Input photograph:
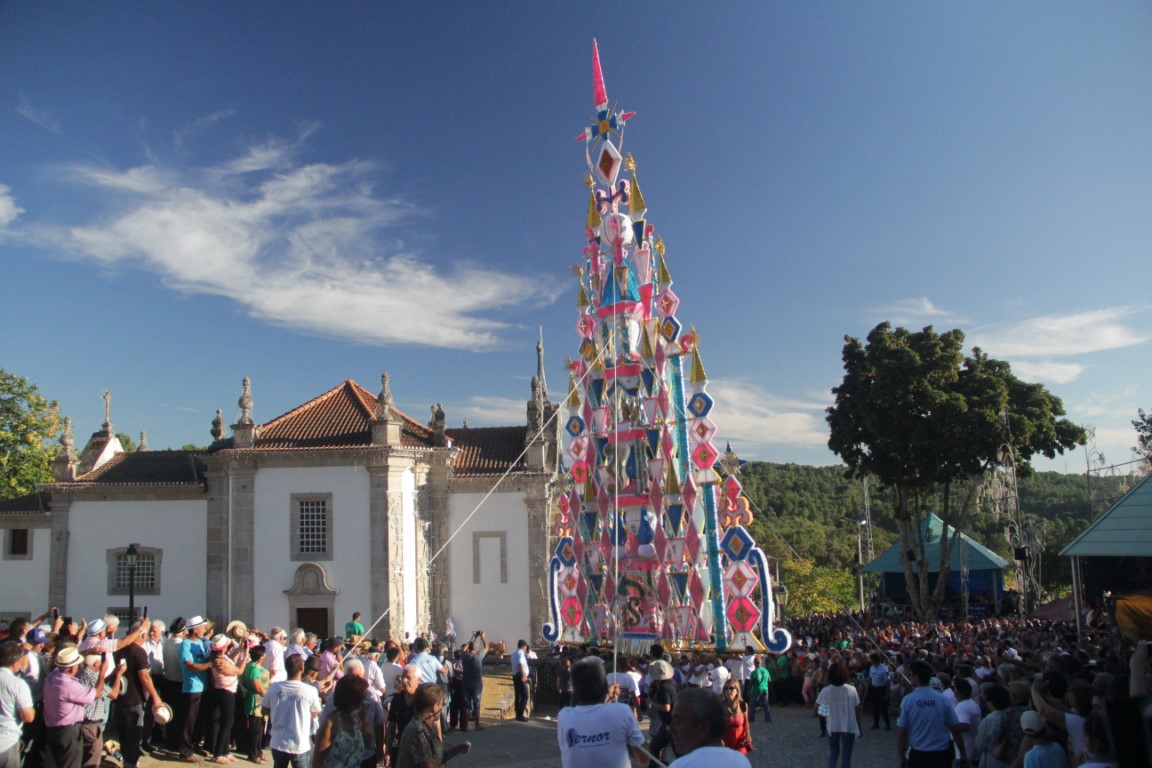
x=751 y=417
x=746 y=415
x=9 y=211
x=306 y=246
x=41 y=117
x=1047 y=370
x=181 y=137
x=1049 y=336
x=487 y=411
x=913 y=311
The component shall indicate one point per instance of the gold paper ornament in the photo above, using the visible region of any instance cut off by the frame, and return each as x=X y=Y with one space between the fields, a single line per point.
x=593 y=213
x=698 y=376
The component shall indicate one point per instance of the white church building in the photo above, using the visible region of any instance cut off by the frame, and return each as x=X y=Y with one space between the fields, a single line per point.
x=342 y=504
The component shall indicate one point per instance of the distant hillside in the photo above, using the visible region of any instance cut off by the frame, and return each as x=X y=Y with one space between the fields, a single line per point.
x=814 y=509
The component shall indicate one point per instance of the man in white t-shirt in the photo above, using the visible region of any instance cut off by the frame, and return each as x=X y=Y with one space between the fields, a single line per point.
x=391 y=672
x=698 y=723
x=274 y=654
x=291 y=706
x=16 y=706
x=968 y=713
x=700 y=672
x=593 y=733
x=717 y=676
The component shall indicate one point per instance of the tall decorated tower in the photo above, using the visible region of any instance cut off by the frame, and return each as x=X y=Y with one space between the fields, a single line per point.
x=650 y=542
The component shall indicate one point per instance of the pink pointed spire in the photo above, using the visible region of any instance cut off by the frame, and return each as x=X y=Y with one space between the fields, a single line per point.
x=600 y=97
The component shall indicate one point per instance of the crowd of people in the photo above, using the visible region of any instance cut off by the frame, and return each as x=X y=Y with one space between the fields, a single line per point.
x=200 y=694
x=995 y=693
x=1001 y=692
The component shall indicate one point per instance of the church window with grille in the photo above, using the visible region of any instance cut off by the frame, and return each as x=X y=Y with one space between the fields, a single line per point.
x=148 y=562
x=312 y=527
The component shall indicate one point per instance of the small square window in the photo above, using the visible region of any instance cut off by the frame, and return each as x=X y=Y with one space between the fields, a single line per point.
x=311 y=527
x=17 y=543
x=147 y=572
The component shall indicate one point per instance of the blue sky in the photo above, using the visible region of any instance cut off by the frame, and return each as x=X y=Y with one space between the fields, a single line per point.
x=304 y=193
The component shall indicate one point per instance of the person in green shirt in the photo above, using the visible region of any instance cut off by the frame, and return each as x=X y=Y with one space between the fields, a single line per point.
x=778 y=667
x=758 y=691
x=354 y=627
x=254 y=681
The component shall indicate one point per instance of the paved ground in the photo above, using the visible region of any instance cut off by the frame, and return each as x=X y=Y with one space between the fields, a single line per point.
x=792 y=739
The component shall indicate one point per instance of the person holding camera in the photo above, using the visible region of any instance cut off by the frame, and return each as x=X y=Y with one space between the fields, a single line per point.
x=472 y=674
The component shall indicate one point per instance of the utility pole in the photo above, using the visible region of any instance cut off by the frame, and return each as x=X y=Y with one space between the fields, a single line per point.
x=861 y=525
x=860 y=561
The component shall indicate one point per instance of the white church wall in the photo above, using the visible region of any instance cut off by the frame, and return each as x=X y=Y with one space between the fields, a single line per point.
x=348 y=566
x=173 y=527
x=26 y=580
x=488 y=591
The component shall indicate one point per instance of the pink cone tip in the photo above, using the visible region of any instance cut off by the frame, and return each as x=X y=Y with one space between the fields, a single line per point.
x=600 y=95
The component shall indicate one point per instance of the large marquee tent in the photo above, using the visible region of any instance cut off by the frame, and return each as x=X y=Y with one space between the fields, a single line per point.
x=985 y=567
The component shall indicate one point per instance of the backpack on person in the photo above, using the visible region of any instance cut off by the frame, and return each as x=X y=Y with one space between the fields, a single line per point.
x=1008 y=735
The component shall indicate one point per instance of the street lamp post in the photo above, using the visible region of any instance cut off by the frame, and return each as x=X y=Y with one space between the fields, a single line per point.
x=859 y=556
x=130 y=558
x=780 y=595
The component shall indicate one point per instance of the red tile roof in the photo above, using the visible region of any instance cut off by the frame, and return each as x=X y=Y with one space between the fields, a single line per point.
x=148 y=468
x=340 y=418
x=488 y=450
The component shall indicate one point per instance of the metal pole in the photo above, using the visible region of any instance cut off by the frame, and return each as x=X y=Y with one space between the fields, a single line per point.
x=860 y=563
x=131 y=555
x=1077 y=600
x=131 y=595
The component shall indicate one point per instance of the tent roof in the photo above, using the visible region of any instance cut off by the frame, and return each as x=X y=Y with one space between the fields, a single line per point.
x=980 y=558
x=1124 y=530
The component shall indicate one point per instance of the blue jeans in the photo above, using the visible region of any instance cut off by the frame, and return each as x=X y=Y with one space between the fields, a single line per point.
x=759 y=700
x=284 y=759
x=838 y=744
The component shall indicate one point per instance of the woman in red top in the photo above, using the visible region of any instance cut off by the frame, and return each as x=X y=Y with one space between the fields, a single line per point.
x=736 y=735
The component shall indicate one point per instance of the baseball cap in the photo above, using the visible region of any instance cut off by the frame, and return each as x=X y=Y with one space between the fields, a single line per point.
x=37 y=636
x=1032 y=723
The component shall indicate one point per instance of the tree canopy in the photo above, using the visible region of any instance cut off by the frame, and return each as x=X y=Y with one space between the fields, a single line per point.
x=28 y=424
x=808 y=513
x=928 y=422
x=1143 y=425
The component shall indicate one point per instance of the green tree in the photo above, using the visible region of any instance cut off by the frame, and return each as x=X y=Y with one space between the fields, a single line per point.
x=28 y=424
x=928 y=422
x=1143 y=425
x=816 y=589
x=126 y=442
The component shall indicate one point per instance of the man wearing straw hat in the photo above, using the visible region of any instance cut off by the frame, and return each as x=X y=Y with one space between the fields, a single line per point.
x=64 y=700
x=194 y=655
